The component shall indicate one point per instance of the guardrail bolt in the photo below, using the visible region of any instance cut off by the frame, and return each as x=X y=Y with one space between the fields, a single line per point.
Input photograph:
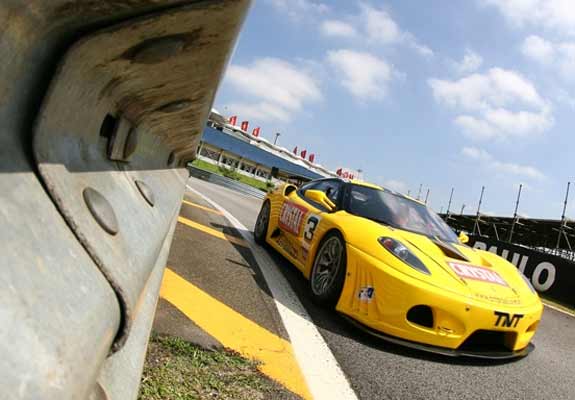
x=101 y=210
x=175 y=106
x=156 y=50
x=146 y=192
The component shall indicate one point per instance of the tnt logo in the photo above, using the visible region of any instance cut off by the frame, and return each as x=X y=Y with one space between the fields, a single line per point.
x=507 y=320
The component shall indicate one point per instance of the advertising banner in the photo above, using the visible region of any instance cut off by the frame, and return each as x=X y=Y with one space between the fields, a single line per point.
x=552 y=276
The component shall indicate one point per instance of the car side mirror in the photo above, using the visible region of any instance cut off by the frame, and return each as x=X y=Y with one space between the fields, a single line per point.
x=463 y=238
x=320 y=197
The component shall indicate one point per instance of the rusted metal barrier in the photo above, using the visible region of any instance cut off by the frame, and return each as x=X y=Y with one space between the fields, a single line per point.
x=102 y=104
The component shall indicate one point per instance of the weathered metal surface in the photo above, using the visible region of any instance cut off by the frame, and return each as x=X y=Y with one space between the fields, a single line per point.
x=130 y=71
x=130 y=358
x=59 y=314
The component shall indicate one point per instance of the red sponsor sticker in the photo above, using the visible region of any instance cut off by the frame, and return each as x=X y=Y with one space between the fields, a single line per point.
x=291 y=217
x=467 y=271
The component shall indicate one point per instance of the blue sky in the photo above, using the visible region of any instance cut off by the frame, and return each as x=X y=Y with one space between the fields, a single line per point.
x=450 y=93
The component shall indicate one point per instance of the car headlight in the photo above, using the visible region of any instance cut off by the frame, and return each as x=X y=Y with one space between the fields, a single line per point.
x=528 y=282
x=403 y=253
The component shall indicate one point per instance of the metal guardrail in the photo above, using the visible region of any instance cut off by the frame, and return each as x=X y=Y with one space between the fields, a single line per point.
x=226 y=182
x=101 y=107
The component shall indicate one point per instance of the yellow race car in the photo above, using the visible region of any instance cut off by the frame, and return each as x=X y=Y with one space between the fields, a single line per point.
x=394 y=268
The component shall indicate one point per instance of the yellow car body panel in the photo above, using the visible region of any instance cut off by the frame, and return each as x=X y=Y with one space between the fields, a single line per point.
x=380 y=289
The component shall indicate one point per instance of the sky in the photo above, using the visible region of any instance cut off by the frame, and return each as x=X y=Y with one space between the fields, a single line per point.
x=445 y=94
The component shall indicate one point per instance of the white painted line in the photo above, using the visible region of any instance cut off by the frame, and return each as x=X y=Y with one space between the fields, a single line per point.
x=321 y=370
x=558 y=309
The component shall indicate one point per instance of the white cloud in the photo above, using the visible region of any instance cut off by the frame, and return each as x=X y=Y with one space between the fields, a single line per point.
x=555 y=15
x=470 y=63
x=379 y=25
x=475 y=127
x=504 y=104
x=538 y=49
x=382 y=29
x=299 y=9
x=338 y=29
x=559 y=56
x=498 y=87
x=487 y=161
x=261 y=112
x=375 y=26
x=279 y=87
x=363 y=74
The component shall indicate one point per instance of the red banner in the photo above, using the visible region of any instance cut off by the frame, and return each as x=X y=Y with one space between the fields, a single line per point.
x=311 y=158
x=233 y=120
x=295 y=150
x=345 y=174
x=256 y=131
x=303 y=153
x=245 y=125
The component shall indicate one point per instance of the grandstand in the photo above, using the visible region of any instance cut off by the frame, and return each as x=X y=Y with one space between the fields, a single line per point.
x=555 y=237
x=230 y=146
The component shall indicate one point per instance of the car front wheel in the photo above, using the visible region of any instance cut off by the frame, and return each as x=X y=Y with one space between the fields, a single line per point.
x=328 y=271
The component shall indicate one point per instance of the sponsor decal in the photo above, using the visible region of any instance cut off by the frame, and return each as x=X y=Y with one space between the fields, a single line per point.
x=467 y=271
x=366 y=294
x=543 y=273
x=497 y=299
x=291 y=217
x=549 y=274
x=304 y=254
x=310 y=227
x=287 y=245
x=506 y=320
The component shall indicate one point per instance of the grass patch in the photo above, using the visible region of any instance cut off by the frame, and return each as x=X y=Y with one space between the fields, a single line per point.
x=233 y=174
x=178 y=370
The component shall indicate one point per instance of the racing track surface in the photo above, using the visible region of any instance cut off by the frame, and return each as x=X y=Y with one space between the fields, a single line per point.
x=380 y=370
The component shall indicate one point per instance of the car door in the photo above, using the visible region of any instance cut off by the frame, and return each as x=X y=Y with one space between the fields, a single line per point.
x=301 y=217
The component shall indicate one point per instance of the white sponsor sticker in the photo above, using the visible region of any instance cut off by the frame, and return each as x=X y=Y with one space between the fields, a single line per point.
x=467 y=271
x=291 y=217
x=366 y=294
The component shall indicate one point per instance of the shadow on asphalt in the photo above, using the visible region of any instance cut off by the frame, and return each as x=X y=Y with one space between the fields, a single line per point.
x=333 y=322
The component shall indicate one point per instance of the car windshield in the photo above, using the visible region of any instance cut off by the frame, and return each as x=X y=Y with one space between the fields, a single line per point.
x=398 y=211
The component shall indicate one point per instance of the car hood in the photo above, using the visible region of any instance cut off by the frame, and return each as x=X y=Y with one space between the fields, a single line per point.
x=482 y=275
x=474 y=273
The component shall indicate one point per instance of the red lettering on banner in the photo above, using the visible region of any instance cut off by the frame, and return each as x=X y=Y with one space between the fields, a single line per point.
x=477 y=273
x=291 y=217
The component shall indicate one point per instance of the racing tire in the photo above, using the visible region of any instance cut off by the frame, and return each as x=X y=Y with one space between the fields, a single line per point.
x=328 y=270
x=262 y=223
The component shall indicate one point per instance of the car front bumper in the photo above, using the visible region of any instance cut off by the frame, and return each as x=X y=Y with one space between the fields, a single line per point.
x=379 y=297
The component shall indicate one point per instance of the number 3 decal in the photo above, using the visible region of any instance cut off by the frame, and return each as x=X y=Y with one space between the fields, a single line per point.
x=310 y=227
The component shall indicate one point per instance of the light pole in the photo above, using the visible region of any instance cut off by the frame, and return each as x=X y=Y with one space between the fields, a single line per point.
x=276 y=139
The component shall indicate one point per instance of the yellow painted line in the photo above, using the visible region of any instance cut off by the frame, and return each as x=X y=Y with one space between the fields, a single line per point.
x=236 y=332
x=189 y=203
x=211 y=231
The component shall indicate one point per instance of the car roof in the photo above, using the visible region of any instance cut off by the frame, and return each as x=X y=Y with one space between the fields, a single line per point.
x=371 y=186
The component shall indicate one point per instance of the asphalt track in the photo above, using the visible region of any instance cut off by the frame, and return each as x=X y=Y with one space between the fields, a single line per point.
x=380 y=370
